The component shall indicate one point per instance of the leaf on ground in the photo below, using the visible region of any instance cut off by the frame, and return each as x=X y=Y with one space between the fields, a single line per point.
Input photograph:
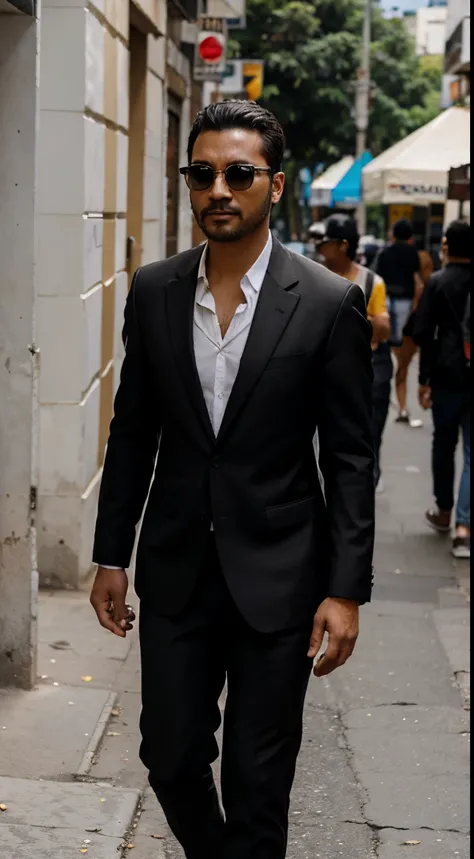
x=96 y=829
x=114 y=734
x=3 y=807
x=86 y=679
x=412 y=843
x=115 y=712
x=159 y=837
x=130 y=846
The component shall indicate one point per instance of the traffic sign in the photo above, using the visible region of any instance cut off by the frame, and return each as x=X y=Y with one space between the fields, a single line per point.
x=232 y=79
x=237 y=23
x=252 y=71
x=211 y=48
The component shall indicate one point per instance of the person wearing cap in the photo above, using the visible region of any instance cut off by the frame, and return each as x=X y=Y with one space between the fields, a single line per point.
x=338 y=246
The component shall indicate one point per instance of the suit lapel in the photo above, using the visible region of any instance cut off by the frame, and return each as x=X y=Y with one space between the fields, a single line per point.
x=180 y=299
x=274 y=310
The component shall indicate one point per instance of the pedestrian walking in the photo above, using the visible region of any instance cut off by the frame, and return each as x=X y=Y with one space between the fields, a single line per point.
x=235 y=354
x=399 y=266
x=339 y=246
x=442 y=329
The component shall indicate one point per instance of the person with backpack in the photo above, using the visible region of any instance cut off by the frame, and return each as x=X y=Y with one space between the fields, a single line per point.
x=338 y=246
x=442 y=330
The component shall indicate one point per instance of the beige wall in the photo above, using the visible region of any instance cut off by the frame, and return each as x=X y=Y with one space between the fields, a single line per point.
x=81 y=247
x=18 y=573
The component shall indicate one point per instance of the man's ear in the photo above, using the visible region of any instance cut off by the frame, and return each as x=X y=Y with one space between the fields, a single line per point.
x=278 y=185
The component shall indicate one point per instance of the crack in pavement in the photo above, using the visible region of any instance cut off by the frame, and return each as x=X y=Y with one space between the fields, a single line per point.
x=379 y=828
x=337 y=711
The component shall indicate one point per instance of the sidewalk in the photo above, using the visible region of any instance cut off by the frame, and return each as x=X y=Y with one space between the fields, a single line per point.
x=384 y=760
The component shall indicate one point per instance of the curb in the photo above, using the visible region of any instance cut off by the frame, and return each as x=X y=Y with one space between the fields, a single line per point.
x=85 y=766
x=453 y=629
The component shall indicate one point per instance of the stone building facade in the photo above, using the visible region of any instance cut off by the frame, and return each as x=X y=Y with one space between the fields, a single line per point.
x=115 y=110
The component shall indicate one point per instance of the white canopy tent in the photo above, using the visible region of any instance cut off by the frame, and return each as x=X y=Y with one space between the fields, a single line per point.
x=322 y=187
x=415 y=170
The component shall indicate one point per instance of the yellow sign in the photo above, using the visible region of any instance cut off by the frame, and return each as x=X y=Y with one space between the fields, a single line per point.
x=398 y=212
x=252 y=71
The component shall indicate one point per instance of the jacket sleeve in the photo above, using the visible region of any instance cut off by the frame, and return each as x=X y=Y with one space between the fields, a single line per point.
x=131 y=449
x=347 y=452
x=424 y=331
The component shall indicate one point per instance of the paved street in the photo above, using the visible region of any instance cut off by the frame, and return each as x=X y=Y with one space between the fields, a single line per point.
x=385 y=754
x=383 y=772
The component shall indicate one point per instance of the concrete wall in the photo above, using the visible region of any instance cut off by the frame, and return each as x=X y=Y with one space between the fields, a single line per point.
x=18 y=120
x=99 y=181
x=154 y=202
x=81 y=254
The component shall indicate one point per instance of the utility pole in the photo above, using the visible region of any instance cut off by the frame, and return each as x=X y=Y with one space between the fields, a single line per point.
x=362 y=102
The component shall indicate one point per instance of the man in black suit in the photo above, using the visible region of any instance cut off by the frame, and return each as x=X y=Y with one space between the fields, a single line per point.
x=236 y=352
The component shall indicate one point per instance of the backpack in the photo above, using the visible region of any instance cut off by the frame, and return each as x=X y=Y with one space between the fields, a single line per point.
x=466 y=330
x=368 y=286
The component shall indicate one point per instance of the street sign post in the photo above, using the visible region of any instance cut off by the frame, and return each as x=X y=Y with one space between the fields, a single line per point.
x=211 y=49
x=232 y=78
x=459 y=183
x=237 y=23
x=252 y=71
x=242 y=78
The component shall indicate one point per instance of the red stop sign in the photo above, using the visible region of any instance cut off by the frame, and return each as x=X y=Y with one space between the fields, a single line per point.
x=210 y=49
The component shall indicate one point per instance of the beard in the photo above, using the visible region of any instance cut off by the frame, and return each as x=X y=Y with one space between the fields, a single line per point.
x=232 y=232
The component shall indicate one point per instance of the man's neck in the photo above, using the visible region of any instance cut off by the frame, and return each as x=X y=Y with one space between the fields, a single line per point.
x=232 y=260
x=350 y=270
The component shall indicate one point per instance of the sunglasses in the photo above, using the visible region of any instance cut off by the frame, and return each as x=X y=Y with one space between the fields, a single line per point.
x=325 y=240
x=238 y=177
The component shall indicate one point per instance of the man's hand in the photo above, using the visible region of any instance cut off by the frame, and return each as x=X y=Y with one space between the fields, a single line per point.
x=340 y=619
x=424 y=397
x=108 y=596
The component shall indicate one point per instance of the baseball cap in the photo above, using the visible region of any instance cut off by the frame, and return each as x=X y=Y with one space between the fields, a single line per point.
x=339 y=228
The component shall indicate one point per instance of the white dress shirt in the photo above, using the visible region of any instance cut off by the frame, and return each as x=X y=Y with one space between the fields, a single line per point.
x=218 y=358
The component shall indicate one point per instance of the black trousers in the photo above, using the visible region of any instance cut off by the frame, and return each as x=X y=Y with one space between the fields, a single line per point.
x=186 y=661
x=451 y=416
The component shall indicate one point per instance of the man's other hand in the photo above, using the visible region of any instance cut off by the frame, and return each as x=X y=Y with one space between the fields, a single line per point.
x=340 y=619
x=108 y=598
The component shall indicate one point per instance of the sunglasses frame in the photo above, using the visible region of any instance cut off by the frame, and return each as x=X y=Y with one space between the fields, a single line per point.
x=326 y=240
x=185 y=171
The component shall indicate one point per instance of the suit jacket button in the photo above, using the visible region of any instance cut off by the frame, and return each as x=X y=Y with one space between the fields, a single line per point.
x=215 y=462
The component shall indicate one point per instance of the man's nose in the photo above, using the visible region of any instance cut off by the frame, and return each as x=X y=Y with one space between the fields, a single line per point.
x=220 y=189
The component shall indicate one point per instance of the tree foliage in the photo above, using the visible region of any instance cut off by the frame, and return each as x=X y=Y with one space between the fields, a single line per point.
x=312 y=50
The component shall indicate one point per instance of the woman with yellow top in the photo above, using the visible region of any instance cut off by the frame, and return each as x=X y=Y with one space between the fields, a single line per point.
x=338 y=246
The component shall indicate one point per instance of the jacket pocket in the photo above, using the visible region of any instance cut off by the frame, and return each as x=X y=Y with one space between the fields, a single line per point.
x=293 y=513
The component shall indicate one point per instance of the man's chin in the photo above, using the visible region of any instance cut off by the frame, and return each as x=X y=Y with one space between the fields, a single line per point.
x=221 y=234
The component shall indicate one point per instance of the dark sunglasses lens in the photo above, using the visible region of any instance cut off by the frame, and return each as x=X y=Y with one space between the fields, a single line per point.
x=239 y=177
x=199 y=178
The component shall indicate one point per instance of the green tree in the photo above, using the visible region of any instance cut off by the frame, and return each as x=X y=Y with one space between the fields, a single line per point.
x=312 y=50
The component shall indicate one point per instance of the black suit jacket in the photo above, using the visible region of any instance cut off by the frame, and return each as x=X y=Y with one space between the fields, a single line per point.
x=283 y=546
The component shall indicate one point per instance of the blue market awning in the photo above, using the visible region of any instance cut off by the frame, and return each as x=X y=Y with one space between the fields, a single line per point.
x=348 y=191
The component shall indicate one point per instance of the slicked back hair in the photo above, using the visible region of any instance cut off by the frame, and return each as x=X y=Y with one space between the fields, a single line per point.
x=226 y=115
